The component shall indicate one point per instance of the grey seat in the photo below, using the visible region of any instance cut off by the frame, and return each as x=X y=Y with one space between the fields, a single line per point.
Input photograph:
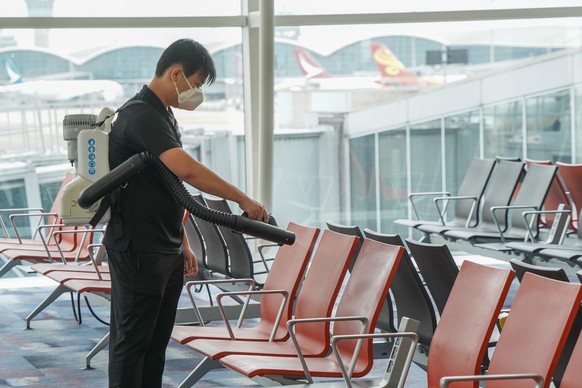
x=499 y=192
x=437 y=268
x=410 y=296
x=216 y=254
x=507 y=220
x=467 y=200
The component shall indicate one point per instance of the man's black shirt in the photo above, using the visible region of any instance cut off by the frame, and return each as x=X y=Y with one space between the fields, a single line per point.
x=145 y=217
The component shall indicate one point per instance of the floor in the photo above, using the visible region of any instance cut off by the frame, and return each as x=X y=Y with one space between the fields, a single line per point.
x=52 y=353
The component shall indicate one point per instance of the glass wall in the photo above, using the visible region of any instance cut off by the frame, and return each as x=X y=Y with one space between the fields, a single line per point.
x=549 y=127
x=503 y=130
x=393 y=180
x=426 y=167
x=323 y=73
x=363 y=201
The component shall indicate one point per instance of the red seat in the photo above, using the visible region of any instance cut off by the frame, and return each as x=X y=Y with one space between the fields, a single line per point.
x=572 y=176
x=316 y=298
x=532 y=338
x=285 y=275
x=362 y=298
x=51 y=217
x=556 y=196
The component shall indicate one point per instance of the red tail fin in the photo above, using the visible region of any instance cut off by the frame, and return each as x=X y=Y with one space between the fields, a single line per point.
x=390 y=66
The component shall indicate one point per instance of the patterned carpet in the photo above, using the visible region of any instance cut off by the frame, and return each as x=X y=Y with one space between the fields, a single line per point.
x=52 y=353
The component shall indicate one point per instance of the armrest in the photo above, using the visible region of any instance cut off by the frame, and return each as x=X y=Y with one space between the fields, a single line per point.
x=539 y=380
x=92 y=248
x=411 y=196
x=292 y=322
x=539 y=212
x=284 y=299
x=347 y=375
x=12 y=218
x=16 y=210
x=455 y=198
x=193 y=283
x=495 y=209
x=80 y=245
x=260 y=249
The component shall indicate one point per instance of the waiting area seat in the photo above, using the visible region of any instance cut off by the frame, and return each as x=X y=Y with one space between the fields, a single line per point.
x=532 y=337
x=356 y=313
x=508 y=224
x=499 y=192
x=277 y=295
x=316 y=298
x=466 y=202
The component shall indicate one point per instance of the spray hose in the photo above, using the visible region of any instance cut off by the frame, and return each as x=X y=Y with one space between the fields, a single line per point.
x=132 y=166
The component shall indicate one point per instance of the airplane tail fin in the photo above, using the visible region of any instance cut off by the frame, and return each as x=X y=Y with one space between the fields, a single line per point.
x=389 y=65
x=309 y=66
x=11 y=70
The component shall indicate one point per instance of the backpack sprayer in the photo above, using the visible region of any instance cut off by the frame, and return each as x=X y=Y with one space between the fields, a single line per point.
x=88 y=150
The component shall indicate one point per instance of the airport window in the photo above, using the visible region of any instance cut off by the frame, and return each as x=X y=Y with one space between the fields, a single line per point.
x=548 y=127
x=393 y=182
x=577 y=147
x=13 y=195
x=461 y=146
x=323 y=73
x=502 y=130
x=426 y=164
x=127 y=8
x=363 y=181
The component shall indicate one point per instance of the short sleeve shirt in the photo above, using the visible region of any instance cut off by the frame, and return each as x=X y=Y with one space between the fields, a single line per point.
x=145 y=216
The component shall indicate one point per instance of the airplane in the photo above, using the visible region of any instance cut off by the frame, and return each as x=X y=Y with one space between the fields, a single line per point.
x=56 y=90
x=315 y=76
x=394 y=72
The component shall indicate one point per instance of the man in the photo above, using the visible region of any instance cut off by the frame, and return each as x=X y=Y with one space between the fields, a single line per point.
x=149 y=254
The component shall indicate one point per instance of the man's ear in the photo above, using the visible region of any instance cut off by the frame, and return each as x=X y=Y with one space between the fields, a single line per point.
x=173 y=72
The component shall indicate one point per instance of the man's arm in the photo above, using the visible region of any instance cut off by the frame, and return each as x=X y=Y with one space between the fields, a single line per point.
x=204 y=179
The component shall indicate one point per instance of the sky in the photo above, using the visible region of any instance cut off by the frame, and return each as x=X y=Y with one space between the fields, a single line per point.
x=321 y=39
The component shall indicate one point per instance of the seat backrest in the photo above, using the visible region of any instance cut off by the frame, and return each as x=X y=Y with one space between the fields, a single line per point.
x=462 y=335
x=216 y=252
x=286 y=274
x=473 y=185
x=572 y=176
x=321 y=286
x=556 y=194
x=500 y=190
x=366 y=289
x=536 y=329
x=555 y=273
x=350 y=230
x=533 y=192
x=240 y=259
x=410 y=296
x=522 y=268
x=196 y=241
x=437 y=268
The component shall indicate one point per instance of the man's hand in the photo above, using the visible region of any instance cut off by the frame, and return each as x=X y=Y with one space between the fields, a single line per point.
x=254 y=210
x=190 y=263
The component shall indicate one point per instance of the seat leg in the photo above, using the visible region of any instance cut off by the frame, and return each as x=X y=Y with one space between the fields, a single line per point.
x=100 y=345
x=206 y=365
x=47 y=301
x=8 y=265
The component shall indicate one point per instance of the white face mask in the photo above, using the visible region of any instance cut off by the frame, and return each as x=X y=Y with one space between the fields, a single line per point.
x=189 y=99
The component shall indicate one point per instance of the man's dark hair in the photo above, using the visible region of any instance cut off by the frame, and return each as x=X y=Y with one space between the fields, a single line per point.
x=191 y=55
